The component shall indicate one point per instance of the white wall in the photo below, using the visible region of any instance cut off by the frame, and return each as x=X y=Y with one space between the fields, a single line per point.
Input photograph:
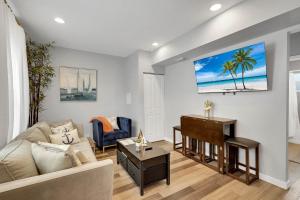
x=110 y=88
x=261 y=116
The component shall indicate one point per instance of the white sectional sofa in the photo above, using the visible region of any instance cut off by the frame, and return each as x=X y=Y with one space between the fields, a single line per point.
x=19 y=178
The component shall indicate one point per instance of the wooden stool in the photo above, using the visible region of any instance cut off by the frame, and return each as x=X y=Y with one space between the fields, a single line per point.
x=232 y=153
x=175 y=145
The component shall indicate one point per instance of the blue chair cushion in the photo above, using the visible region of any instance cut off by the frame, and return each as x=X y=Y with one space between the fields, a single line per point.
x=109 y=136
x=119 y=134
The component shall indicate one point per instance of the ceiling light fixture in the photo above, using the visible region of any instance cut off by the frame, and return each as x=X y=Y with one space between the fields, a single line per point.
x=155 y=44
x=215 y=7
x=59 y=20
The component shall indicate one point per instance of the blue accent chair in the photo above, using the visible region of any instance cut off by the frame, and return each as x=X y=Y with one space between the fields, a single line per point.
x=109 y=139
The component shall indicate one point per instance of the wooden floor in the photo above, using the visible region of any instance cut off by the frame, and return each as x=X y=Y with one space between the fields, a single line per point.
x=189 y=181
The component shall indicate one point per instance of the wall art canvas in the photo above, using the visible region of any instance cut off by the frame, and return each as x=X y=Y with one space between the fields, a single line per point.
x=242 y=69
x=78 y=84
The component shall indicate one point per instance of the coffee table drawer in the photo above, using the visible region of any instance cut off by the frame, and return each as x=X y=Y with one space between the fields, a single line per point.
x=134 y=172
x=122 y=158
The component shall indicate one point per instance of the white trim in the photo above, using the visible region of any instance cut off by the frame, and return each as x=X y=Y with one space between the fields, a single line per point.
x=168 y=139
x=294 y=140
x=282 y=184
x=295 y=58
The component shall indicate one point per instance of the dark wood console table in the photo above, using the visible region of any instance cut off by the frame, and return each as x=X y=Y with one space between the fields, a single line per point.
x=201 y=130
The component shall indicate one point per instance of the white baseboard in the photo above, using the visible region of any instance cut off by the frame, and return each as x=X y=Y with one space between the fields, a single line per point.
x=294 y=140
x=282 y=184
x=168 y=140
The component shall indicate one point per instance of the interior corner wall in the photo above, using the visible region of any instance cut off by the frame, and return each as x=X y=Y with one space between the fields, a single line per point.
x=110 y=88
x=261 y=116
x=137 y=64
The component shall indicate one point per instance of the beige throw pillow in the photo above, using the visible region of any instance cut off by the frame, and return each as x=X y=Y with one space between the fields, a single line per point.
x=50 y=159
x=79 y=127
x=33 y=134
x=113 y=122
x=16 y=161
x=70 y=137
x=67 y=148
x=63 y=128
x=83 y=159
x=45 y=128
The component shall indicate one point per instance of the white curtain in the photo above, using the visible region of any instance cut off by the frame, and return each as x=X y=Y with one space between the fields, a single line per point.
x=14 y=66
x=294 y=126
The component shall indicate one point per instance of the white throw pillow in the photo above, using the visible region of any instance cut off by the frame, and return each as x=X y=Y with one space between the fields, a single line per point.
x=70 y=137
x=66 y=148
x=49 y=159
x=82 y=158
x=63 y=128
x=113 y=122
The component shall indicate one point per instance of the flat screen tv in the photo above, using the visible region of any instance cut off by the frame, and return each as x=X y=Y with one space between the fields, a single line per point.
x=238 y=70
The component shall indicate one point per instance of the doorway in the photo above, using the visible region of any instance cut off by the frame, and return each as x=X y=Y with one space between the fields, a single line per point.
x=154 y=106
x=294 y=126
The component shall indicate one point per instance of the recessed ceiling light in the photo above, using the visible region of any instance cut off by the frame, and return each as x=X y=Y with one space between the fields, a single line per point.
x=215 y=7
x=155 y=44
x=59 y=20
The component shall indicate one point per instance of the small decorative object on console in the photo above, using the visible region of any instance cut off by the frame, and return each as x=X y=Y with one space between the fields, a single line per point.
x=141 y=141
x=208 y=105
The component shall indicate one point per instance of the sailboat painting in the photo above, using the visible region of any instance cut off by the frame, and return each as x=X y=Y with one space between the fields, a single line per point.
x=78 y=84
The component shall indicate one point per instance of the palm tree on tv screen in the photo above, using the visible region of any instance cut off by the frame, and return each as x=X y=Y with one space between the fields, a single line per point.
x=243 y=59
x=230 y=66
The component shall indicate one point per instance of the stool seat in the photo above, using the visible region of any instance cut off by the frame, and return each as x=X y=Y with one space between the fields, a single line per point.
x=242 y=142
x=178 y=128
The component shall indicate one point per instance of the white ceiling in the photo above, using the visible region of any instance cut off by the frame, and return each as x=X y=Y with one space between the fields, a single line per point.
x=115 y=27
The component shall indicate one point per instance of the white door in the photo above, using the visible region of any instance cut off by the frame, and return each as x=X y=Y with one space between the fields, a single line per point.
x=154 y=107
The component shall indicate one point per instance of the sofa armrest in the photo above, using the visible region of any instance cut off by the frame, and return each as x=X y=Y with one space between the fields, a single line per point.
x=87 y=182
x=124 y=124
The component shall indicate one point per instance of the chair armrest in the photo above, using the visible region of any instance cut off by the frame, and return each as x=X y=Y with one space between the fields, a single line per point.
x=98 y=132
x=124 y=124
x=87 y=182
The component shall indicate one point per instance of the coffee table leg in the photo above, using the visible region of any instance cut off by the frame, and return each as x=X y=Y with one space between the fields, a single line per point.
x=168 y=169
x=141 y=180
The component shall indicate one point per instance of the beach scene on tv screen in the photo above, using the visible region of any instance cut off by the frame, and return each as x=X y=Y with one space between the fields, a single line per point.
x=242 y=69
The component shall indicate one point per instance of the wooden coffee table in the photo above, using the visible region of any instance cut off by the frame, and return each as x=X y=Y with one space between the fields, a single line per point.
x=144 y=166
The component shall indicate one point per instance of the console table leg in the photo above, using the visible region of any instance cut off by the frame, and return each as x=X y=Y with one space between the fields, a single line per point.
x=174 y=139
x=221 y=158
x=168 y=169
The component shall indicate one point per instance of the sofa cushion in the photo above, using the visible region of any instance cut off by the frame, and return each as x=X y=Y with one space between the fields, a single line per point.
x=33 y=134
x=121 y=134
x=85 y=147
x=49 y=159
x=45 y=128
x=109 y=136
x=16 y=161
x=70 y=137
